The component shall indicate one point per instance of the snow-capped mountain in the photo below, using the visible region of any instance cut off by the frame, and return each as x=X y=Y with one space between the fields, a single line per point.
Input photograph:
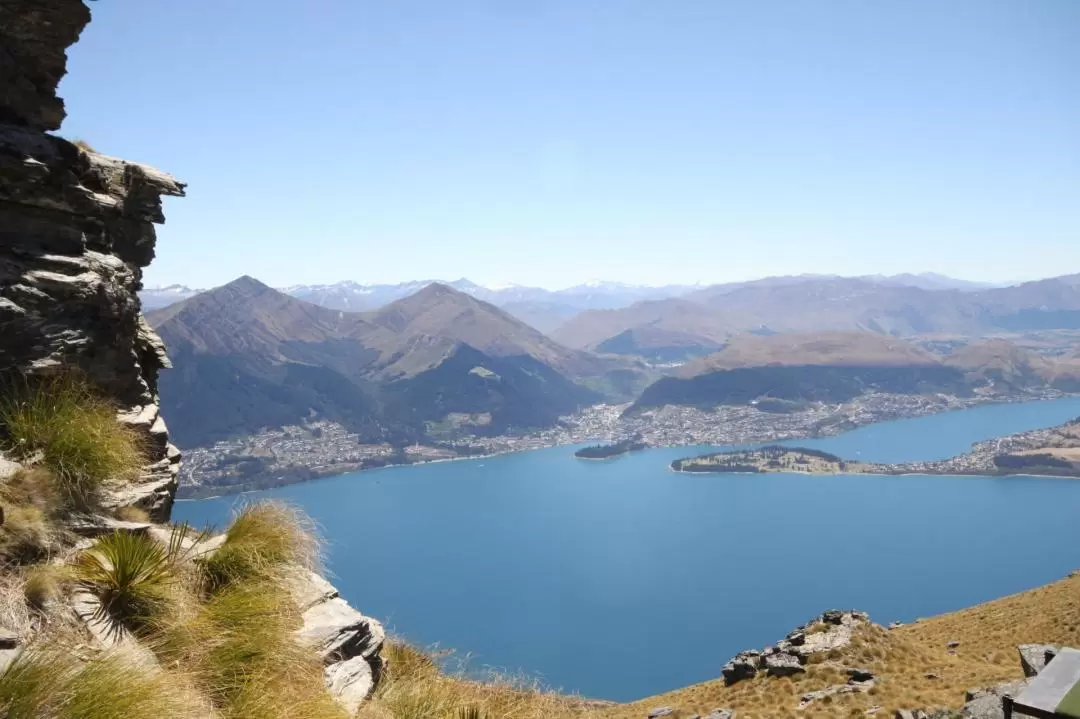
x=156 y=297
x=543 y=309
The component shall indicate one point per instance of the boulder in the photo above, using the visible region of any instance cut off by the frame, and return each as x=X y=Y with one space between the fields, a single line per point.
x=743 y=665
x=721 y=714
x=350 y=682
x=7 y=467
x=859 y=675
x=783 y=665
x=1033 y=657
x=661 y=712
x=986 y=703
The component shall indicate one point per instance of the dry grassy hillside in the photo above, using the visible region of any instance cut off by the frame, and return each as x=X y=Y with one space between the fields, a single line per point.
x=915 y=666
x=851 y=349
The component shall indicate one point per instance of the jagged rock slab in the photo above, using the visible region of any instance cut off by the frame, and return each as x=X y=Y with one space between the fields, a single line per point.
x=34 y=37
x=721 y=714
x=1034 y=657
x=350 y=682
x=76 y=229
x=338 y=632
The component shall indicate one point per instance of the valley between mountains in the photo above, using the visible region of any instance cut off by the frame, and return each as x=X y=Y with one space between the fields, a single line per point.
x=269 y=389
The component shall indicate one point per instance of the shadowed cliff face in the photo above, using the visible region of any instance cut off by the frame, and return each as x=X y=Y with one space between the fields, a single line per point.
x=76 y=229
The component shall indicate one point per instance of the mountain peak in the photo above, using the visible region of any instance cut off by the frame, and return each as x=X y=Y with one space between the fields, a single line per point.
x=247 y=285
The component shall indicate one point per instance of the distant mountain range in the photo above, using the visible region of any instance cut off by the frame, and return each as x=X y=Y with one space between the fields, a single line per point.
x=248 y=356
x=781 y=372
x=440 y=361
x=698 y=322
x=543 y=309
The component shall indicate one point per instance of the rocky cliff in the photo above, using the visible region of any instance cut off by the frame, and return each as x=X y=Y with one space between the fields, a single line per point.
x=76 y=229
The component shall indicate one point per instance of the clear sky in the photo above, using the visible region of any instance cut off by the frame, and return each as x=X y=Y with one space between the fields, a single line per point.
x=550 y=141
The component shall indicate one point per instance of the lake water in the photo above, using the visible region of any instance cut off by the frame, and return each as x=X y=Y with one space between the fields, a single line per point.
x=620 y=579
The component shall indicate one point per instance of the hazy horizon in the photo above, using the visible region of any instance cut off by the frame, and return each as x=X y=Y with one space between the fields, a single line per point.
x=586 y=283
x=549 y=142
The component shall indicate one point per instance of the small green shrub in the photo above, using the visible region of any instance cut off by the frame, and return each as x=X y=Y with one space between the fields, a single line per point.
x=263 y=539
x=131 y=575
x=76 y=432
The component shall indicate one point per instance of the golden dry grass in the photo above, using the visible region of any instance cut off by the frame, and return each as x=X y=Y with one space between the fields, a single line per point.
x=231 y=624
x=262 y=539
x=48 y=683
x=413 y=687
x=30 y=499
x=75 y=430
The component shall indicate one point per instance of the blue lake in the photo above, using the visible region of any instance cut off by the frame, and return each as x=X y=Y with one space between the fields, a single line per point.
x=620 y=579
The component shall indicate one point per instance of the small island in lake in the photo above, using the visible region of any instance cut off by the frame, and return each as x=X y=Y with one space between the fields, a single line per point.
x=773 y=458
x=1052 y=452
x=607 y=451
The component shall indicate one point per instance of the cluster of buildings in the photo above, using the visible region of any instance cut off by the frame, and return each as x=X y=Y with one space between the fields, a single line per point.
x=319 y=448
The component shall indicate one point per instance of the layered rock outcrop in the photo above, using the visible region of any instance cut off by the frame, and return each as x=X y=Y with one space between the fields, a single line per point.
x=830 y=630
x=76 y=229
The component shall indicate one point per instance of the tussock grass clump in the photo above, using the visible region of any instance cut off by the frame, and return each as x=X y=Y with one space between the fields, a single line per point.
x=132 y=514
x=130 y=573
x=25 y=535
x=240 y=648
x=262 y=539
x=235 y=630
x=83 y=145
x=43 y=582
x=76 y=432
x=29 y=499
x=50 y=684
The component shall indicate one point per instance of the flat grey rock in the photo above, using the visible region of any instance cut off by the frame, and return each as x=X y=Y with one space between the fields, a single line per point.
x=661 y=712
x=309 y=589
x=96 y=525
x=1034 y=657
x=721 y=714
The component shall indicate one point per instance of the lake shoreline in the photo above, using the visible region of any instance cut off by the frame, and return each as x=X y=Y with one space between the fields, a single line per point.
x=853 y=424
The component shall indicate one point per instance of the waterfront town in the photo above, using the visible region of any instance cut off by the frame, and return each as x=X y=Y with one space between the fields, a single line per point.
x=320 y=448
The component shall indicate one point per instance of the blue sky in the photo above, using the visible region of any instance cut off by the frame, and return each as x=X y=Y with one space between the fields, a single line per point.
x=548 y=142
